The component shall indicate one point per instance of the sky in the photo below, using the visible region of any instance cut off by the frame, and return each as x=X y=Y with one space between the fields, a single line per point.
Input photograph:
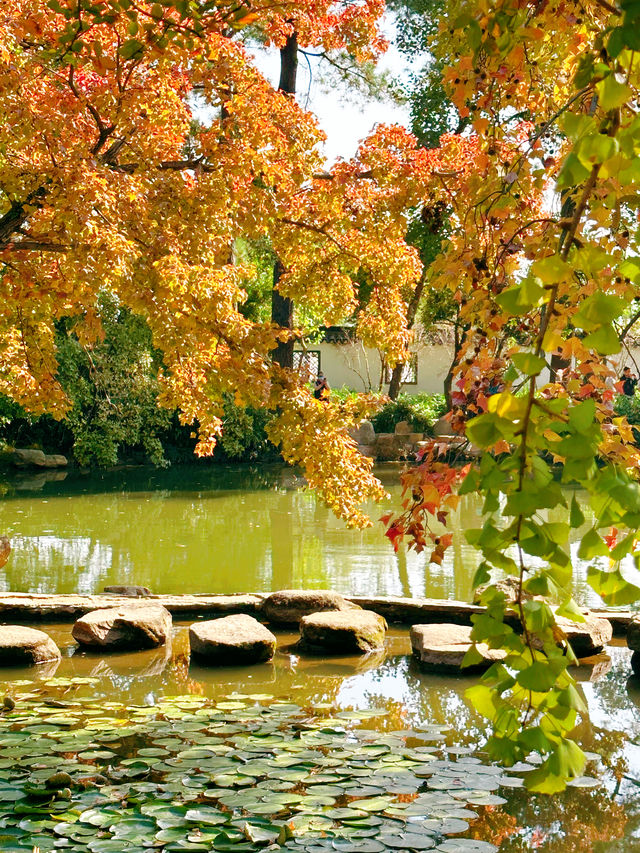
x=345 y=119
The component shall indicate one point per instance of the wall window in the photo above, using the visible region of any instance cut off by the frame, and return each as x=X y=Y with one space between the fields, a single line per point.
x=409 y=371
x=307 y=363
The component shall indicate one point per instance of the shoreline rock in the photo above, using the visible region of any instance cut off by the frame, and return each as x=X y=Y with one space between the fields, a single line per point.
x=442 y=648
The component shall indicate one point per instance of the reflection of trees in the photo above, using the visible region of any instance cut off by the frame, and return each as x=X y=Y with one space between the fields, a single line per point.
x=574 y=822
x=212 y=528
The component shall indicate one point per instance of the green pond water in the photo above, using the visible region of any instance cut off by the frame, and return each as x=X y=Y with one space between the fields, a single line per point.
x=201 y=529
x=213 y=529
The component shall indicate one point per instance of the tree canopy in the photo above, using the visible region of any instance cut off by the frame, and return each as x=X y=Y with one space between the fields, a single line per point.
x=139 y=142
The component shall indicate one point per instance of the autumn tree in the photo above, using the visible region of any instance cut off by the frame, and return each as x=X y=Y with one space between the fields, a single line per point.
x=542 y=259
x=110 y=184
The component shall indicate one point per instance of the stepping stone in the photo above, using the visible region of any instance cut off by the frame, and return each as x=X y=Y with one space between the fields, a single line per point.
x=288 y=606
x=21 y=646
x=23 y=457
x=363 y=434
x=585 y=638
x=236 y=639
x=588 y=637
x=443 y=647
x=592 y=668
x=141 y=626
x=349 y=632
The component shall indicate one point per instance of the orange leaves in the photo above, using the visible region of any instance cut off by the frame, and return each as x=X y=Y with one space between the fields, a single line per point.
x=428 y=498
x=313 y=434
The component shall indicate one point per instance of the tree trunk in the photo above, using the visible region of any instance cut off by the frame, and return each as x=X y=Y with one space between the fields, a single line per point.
x=457 y=343
x=282 y=314
x=396 y=380
x=282 y=307
x=412 y=310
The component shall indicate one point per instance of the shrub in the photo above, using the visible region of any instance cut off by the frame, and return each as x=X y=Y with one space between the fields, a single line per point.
x=420 y=410
x=244 y=436
x=629 y=407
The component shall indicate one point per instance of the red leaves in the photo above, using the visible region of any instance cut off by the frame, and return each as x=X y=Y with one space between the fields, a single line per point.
x=428 y=497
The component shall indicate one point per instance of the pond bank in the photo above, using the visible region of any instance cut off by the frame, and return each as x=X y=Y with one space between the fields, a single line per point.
x=22 y=606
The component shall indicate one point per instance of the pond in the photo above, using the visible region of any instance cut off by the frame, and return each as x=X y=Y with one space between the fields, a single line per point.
x=206 y=529
x=351 y=704
x=215 y=529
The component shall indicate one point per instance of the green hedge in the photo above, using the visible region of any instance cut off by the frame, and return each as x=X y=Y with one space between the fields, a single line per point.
x=420 y=410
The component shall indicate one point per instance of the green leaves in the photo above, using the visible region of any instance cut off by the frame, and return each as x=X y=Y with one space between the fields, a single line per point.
x=613 y=93
x=582 y=416
x=599 y=308
x=487 y=429
x=614 y=589
x=592 y=545
x=566 y=761
x=540 y=676
x=131 y=48
x=552 y=269
x=522 y=297
x=528 y=363
x=595 y=315
x=604 y=340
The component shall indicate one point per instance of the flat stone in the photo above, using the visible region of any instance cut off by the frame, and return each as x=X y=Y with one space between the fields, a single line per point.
x=442 y=427
x=368 y=450
x=592 y=668
x=141 y=626
x=633 y=634
x=128 y=591
x=443 y=647
x=588 y=637
x=389 y=446
x=403 y=428
x=237 y=639
x=411 y=611
x=20 y=646
x=54 y=460
x=69 y=606
x=619 y=619
x=355 y=631
x=288 y=606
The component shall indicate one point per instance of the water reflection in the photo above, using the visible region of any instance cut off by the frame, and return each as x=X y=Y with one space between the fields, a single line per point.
x=218 y=529
x=578 y=821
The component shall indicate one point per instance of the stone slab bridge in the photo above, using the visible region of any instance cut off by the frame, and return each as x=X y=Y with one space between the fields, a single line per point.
x=34 y=607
